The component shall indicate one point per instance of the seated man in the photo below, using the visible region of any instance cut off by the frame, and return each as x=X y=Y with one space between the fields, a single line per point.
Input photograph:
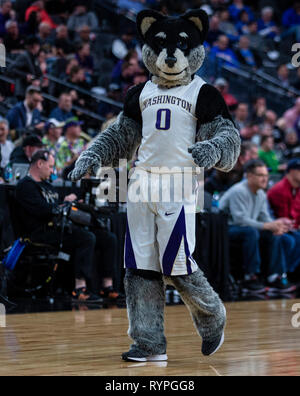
x=53 y=132
x=23 y=154
x=39 y=203
x=26 y=115
x=70 y=147
x=284 y=199
x=250 y=222
x=63 y=111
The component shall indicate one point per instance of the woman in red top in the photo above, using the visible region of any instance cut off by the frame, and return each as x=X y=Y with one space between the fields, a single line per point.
x=284 y=197
x=39 y=7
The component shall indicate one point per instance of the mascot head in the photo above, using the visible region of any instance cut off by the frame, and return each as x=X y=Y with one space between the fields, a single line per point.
x=173 y=47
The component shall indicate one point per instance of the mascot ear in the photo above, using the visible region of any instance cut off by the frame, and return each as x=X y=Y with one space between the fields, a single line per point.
x=200 y=19
x=145 y=20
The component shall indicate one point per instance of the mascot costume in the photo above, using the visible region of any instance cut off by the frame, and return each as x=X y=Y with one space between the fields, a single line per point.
x=175 y=119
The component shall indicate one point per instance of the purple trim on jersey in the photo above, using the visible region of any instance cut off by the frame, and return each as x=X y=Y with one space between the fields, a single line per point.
x=173 y=246
x=129 y=253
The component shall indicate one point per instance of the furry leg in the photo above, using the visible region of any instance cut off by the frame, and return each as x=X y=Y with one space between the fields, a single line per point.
x=205 y=306
x=145 y=298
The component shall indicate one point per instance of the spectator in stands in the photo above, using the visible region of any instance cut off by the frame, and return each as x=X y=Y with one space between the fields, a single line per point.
x=237 y=7
x=284 y=199
x=81 y=16
x=84 y=57
x=270 y=120
x=6 y=146
x=266 y=24
x=63 y=111
x=84 y=35
x=77 y=77
x=292 y=143
x=13 y=41
x=53 y=132
x=214 y=31
x=291 y=116
x=259 y=110
x=40 y=203
x=222 y=53
x=121 y=46
x=25 y=115
x=279 y=133
x=62 y=40
x=269 y=156
x=25 y=67
x=241 y=115
x=283 y=75
x=291 y=21
x=23 y=154
x=223 y=86
x=243 y=23
x=38 y=8
x=250 y=222
x=251 y=132
x=227 y=27
x=256 y=41
x=108 y=110
x=246 y=56
x=6 y=14
x=69 y=148
x=45 y=35
x=59 y=65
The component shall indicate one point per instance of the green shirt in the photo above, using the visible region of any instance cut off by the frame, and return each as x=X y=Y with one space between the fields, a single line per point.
x=67 y=150
x=49 y=145
x=270 y=159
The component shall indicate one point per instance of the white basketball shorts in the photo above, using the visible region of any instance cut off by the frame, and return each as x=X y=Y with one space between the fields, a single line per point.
x=160 y=235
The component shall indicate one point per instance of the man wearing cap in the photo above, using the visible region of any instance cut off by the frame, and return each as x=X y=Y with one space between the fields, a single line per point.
x=23 y=154
x=284 y=198
x=53 y=132
x=70 y=147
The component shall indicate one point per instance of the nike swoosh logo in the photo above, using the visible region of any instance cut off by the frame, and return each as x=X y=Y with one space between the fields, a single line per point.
x=169 y=214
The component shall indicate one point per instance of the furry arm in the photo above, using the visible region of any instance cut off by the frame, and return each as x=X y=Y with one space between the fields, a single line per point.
x=220 y=141
x=118 y=141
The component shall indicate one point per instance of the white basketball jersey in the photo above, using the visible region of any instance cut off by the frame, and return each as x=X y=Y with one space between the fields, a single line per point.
x=169 y=126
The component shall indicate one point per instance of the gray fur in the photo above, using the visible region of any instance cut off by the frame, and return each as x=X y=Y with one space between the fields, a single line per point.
x=205 y=306
x=118 y=141
x=145 y=300
x=195 y=59
x=219 y=147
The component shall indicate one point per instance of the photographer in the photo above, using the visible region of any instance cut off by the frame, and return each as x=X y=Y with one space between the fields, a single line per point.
x=39 y=204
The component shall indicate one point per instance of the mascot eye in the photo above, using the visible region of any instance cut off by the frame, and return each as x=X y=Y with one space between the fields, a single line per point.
x=160 y=42
x=182 y=45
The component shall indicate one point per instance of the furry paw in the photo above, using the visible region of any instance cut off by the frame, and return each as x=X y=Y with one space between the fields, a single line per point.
x=86 y=164
x=205 y=154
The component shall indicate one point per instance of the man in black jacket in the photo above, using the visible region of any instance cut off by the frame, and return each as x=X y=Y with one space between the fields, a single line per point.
x=26 y=67
x=38 y=203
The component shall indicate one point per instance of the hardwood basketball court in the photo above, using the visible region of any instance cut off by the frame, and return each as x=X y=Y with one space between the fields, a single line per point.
x=260 y=340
